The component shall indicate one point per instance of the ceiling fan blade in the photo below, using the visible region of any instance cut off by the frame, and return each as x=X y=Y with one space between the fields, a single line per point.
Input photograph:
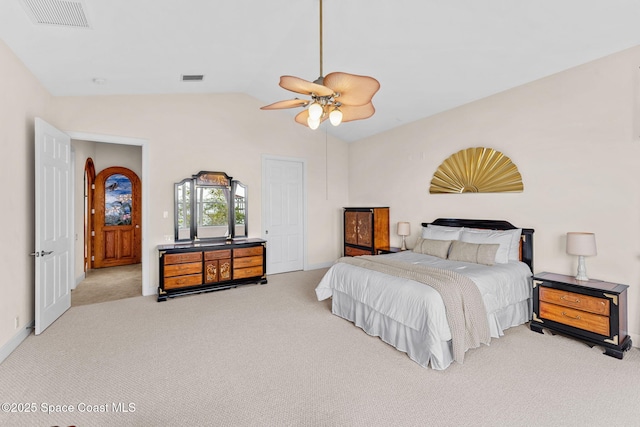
x=290 y=103
x=353 y=89
x=356 y=112
x=298 y=85
x=303 y=115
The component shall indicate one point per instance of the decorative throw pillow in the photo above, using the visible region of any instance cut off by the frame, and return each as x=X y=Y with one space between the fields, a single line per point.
x=477 y=253
x=438 y=248
x=490 y=237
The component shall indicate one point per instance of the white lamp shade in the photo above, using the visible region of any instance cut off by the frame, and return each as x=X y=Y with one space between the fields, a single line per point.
x=335 y=117
x=583 y=244
x=315 y=111
x=313 y=124
x=404 y=229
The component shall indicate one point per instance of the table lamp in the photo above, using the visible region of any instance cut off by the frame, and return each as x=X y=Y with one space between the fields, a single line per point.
x=582 y=245
x=404 y=229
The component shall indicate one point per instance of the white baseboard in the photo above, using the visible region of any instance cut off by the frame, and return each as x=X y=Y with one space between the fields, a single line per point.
x=80 y=279
x=14 y=342
x=635 y=340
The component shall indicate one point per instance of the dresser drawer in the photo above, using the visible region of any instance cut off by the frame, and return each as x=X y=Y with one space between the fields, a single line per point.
x=242 y=252
x=182 y=281
x=217 y=255
x=351 y=251
x=182 y=269
x=577 y=301
x=251 y=261
x=242 y=273
x=182 y=258
x=575 y=318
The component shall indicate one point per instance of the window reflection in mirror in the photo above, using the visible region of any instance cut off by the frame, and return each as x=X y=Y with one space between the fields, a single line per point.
x=239 y=209
x=183 y=209
x=212 y=212
x=210 y=205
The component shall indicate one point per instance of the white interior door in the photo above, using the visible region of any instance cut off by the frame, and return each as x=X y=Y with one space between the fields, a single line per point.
x=54 y=229
x=283 y=214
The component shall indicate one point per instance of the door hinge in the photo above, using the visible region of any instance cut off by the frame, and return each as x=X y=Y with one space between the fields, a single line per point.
x=93 y=234
x=93 y=211
x=93 y=186
x=93 y=258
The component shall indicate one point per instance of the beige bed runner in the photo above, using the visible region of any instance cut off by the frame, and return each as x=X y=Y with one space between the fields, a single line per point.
x=466 y=313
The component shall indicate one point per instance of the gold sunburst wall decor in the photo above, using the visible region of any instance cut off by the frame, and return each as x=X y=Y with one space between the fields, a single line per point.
x=477 y=170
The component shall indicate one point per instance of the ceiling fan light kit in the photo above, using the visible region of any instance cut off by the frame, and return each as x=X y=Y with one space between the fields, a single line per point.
x=339 y=97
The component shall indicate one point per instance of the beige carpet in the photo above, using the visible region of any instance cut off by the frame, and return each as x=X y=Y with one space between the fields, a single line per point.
x=108 y=284
x=272 y=355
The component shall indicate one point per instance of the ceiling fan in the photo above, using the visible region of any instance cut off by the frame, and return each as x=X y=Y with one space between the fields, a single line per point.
x=340 y=97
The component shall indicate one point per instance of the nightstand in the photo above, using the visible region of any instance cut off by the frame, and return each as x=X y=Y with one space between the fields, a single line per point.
x=593 y=311
x=388 y=250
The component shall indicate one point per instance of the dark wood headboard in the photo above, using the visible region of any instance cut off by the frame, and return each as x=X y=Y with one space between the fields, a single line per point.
x=526 y=241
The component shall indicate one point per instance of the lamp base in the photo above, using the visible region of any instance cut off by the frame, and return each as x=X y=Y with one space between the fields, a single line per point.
x=404 y=244
x=582 y=270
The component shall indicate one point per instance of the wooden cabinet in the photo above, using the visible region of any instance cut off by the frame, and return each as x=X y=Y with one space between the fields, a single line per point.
x=217 y=266
x=203 y=267
x=365 y=230
x=593 y=310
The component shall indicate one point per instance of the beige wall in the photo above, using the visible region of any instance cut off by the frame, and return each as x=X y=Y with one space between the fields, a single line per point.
x=23 y=98
x=218 y=132
x=574 y=137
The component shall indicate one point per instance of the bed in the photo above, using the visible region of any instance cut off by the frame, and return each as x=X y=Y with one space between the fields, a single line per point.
x=464 y=283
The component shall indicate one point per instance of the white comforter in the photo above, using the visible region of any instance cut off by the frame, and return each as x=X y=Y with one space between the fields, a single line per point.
x=419 y=306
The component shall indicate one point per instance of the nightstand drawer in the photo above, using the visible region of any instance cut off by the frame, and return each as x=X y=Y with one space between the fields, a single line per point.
x=576 y=318
x=574 y=300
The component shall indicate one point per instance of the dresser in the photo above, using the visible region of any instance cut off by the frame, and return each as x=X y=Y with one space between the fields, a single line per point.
x=594 y=311
x=194 y=267
x=366 y=230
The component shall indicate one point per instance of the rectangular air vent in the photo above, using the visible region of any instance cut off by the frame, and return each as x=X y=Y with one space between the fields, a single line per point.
x=192 y=77
x=65 y=13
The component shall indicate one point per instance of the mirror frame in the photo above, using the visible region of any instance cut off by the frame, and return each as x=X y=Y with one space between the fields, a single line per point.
x=217 y=180
x=234 y=187
x=176 y=209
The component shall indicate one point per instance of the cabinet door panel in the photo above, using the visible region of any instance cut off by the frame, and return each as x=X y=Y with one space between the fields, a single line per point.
x=351 y=227
x=365 y=222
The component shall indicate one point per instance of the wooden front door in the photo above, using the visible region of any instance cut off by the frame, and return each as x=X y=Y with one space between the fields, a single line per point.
x=116 y=222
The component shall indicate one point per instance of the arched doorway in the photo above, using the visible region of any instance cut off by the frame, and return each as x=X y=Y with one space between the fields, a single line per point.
x=116 y=220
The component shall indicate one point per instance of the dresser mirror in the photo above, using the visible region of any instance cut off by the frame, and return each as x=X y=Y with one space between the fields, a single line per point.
x=210 y=206
x=239 y=209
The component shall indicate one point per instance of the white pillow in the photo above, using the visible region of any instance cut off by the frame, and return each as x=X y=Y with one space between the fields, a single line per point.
x=441 y=232
x=502 y=237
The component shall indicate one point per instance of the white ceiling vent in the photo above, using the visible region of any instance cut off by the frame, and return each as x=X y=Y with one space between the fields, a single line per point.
x=192 y=77
x=65 y=13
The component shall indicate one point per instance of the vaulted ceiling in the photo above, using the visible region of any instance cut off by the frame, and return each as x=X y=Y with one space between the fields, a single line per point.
x=429 y=55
